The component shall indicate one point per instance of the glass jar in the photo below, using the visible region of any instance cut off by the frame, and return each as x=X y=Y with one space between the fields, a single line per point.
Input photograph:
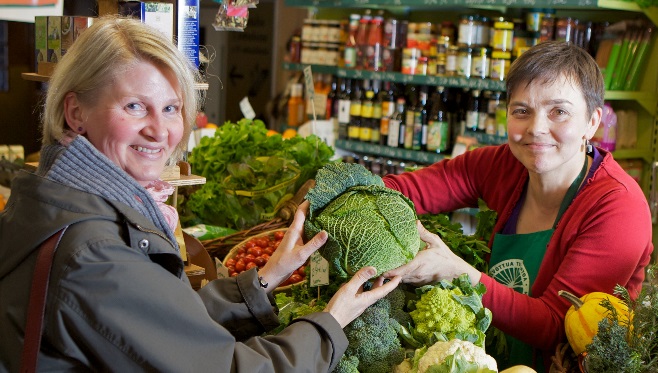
x=467 y=32
x=503 y=35
x=465 y=62
x=533 y=19
x=482 y=31
x=500 y=63
x=451 y=60
x=547 y=30
x=565 y=29
x=480 y=62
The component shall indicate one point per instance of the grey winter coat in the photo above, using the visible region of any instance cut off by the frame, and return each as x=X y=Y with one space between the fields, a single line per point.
x=118 y=298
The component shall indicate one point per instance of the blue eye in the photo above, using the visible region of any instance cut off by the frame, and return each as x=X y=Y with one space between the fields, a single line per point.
x=170 y=109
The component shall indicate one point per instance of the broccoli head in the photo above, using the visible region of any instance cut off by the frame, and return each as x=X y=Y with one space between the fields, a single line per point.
x=373 y=340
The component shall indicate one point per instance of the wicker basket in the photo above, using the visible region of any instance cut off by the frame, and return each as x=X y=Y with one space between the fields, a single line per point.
x=565 y=360
x=235 y=249
x=219 y=247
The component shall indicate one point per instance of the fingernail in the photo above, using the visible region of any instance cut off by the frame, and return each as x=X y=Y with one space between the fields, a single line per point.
x=371 y=271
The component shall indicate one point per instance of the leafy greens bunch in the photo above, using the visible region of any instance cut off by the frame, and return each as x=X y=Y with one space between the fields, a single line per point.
x=368 y=224
x=241 y=156
x=472 y=248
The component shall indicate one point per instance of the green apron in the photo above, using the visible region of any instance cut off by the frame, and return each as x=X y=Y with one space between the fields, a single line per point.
x=515 y=261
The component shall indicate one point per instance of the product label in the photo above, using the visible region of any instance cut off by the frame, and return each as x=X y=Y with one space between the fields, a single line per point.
x=472 y=120
x=437 y=136
x=344 y=111
x=393 y=133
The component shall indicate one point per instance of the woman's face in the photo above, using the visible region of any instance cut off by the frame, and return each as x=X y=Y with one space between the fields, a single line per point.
x=547 y=126
x=137 y=121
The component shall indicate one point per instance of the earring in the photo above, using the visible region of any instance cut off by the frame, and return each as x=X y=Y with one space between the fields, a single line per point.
x=80 y=129
x=588 y=147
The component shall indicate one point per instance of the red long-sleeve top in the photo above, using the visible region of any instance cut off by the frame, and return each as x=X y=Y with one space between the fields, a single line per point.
x=603 y=238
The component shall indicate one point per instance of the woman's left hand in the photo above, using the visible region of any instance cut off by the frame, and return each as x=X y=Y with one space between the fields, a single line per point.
x=291 y=253
x=435 y=263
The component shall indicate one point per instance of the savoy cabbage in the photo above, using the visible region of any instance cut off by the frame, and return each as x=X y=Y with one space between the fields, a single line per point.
x=368 y=224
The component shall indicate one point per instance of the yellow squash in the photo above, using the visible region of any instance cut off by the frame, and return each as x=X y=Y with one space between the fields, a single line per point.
x=581 y=322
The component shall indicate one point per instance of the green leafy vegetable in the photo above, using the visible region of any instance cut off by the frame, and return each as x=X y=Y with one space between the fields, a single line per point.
x=241 y=157
x=368 y=224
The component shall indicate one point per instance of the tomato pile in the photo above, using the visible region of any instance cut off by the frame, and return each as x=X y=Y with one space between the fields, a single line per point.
x=256 y=252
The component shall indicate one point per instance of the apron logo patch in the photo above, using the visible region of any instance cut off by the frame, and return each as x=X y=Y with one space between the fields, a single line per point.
x=513 y=274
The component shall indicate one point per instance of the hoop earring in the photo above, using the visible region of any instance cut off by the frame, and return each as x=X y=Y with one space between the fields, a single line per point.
x=588 y=147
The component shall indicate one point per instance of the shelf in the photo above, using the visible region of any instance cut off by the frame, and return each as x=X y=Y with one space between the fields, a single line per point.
x=396 y=77
x=648 y=100
x=44 y=79
x=387 y=151
x=579 y=4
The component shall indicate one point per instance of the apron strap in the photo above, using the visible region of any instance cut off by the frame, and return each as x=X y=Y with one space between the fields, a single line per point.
x=571 y=193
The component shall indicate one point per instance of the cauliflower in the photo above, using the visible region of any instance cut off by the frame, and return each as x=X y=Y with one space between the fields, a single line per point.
x=461 y=352
x=368 y=224
x=437 y=311
x=451 y=310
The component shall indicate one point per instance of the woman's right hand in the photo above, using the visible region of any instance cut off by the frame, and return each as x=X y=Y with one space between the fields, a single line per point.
x=350 y=300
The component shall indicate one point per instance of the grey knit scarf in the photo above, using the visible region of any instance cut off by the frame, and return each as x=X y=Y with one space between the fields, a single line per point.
x=81 y=166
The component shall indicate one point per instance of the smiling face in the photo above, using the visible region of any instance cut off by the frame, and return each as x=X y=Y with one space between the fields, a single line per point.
x=136 y=121
x=547 y=127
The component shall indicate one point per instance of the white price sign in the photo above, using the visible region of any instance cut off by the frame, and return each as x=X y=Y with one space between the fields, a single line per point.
x=319 y=268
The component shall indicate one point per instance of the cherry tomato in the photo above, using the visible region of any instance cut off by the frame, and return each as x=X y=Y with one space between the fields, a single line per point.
x=265 y=256
x=231 y=268
x=248 y=258
x=242 y=249
x=262 y=242
x=255 y=251
x=302 y=271
x=268 y=251
x=250 y=243
x=250 y=265
x=233 y=274
x=260 y=261
x=276 y=244
x=240 y=265
x=295 y=278
x=230 y=262
x=278 y=235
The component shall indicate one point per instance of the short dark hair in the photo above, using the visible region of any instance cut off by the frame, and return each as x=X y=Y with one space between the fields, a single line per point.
x=551 y=60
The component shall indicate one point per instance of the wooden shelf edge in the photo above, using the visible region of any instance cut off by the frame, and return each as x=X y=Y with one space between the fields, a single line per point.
x=35 y=77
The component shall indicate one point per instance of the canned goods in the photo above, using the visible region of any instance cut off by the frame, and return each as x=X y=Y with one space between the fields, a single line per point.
x=503 y=35
x=500 y=63
x=480 y=63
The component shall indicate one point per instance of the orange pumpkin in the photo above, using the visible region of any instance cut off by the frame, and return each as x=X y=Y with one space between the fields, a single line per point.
x=581 y=322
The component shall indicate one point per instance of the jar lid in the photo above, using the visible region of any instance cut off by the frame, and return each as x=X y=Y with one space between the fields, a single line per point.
x=504 y=25
x=501 y=54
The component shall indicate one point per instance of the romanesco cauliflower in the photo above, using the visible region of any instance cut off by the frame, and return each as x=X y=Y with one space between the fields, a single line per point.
x=451 y=310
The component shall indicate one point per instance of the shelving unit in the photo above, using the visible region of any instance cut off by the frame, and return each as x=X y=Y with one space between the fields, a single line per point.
x=644 y=100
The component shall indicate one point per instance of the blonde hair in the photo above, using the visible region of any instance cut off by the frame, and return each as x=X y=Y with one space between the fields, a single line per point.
x=110 y=46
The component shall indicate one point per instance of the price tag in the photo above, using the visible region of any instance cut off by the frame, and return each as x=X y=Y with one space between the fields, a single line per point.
x=308 y=82
x=319 y=268
x=222 y=272
x=246 y=109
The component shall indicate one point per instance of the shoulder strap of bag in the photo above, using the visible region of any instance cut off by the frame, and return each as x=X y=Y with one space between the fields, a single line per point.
x=37 y=302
